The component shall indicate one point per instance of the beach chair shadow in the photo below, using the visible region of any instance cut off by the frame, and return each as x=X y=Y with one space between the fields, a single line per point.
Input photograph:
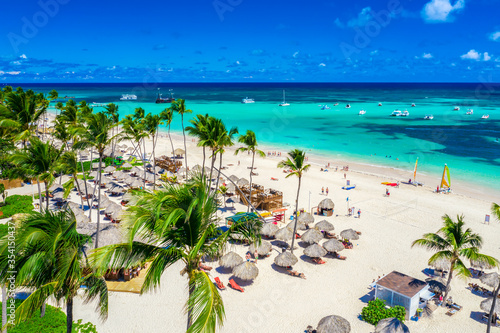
x=307 y=259
x=240 y=282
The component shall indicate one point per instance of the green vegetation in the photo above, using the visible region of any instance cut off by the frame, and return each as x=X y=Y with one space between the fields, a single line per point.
x=54 y=321
x=16 y=204
x=375 y=311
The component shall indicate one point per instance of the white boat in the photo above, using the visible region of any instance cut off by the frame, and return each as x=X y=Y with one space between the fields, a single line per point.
x=485 y=116
x=405 y=113
x=284 y=103
x=348 y=106
x=247 y=100
x=325 y=107
x=396 y=113
x=128 y=97
x=413 y=104
x=361 y=112
x=469 y=112
x=379 y=104
x=456 y=108
x=96 y=105
x=429 y=117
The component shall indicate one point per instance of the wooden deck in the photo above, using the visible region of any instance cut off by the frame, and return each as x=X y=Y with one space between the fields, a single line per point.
x=132 y=286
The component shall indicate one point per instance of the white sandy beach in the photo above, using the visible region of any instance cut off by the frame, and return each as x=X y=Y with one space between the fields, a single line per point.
x=276 y=302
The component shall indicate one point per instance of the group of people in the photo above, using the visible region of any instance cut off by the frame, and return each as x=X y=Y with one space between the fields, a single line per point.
x=248 y=256
x=273 y=153
x=352 y=210
x=323 y=190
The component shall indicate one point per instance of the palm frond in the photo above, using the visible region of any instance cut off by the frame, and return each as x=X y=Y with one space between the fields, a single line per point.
x=96 y=288
x=34 y=301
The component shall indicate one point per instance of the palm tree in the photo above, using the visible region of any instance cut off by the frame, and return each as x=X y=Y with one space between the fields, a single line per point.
x=152 y=124
x=167 y=115
x=68 y=164
x=224 y=139
x=179 y=224
x=40 y=160
x=296 y=163
x=96 y=134
x=134 y=130
x=452 y=243
x=50 y=259
x=112 y=112
x=179 y=106
x=495 y=210
x=200 y=131
x=250 y=142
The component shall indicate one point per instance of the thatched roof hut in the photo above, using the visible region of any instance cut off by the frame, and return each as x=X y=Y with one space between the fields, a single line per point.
x=333 y=324
x=436 y=285
x=486 y=306
x=312 y=236
x=490 y=279
x=391 y=325
x=324 y=225
x=284 y=234
x=269 y=229
x=325 y=207
x=300 y=225
x=333 y=245
x=305 y=218
x=349 y=234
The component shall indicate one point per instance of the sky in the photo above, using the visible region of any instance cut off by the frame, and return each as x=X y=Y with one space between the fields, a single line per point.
x=250 y=41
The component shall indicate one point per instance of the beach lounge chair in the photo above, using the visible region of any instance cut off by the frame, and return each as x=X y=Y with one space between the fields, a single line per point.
x=330 y=235
x=219 y=284
x=295 y=273
x=204 y=267
x=126 y=275
x=235 y=286
x=319 y=261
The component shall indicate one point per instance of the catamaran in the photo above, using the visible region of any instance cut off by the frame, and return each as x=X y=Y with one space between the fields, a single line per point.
x=247 y=100
x=485 y=116
x=396 y=113
x=284 y=103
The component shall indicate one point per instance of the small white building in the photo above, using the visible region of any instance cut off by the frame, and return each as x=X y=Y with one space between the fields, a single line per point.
x=400 y=289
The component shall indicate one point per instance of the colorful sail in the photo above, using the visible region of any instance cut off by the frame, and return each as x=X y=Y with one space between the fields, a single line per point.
x=445 y=180
x=415 y=171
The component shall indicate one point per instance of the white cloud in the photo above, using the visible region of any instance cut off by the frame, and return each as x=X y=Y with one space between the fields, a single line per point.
x=322 y=64
x=10 y=73
x=16 y=62
x=23 y=56
x=495 y=36
x=111 y=68
x=375 y=52
x=427 y=56
x=238 y=62
x=472 y=55
x=339 y=24
x=363 y=17
x=437 y=11
x=486 y=56
x=296 y=54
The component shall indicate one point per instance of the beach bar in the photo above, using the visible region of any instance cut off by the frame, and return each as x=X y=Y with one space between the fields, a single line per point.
x=400 y=289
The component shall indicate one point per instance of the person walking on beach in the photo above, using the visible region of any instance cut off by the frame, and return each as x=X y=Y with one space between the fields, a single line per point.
x=359 y=213
x=322 y=190
x=327 y=191
x=345 y=176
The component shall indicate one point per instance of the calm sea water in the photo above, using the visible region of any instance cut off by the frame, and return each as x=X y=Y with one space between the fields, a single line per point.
x=467 y=143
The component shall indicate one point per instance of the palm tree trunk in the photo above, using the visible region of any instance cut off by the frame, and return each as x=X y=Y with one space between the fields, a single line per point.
x=214 y=155
x=69 y=315
x=42 y=310
x=251 y=172
x=98 y=205
x=86 y=192
x=4 y=307
x=452 y=264
x=296 y=211
x=39 y=193
x=185 y=147
x=203 y=164
x=492 y=310
x=171 y=142
x=189 y=312
x=154 y=160
x=75 y=179
x=46 y=195
x=218 y=174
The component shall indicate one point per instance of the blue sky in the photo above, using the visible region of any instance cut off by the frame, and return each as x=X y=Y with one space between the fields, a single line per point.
x=250 y=41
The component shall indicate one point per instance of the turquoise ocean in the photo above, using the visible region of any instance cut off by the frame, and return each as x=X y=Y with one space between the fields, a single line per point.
x=468 y=144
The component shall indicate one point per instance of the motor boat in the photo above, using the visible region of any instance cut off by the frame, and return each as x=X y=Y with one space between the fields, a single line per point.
x=161 y=100
x=396 y=113
x=485 y=116
x=128 y=97
x=429 y=117
x=362 y=112
x=413 y=104
x=284 y=103
x=405 y=113
x=469 y=112
x=456 y=108
x=247 y=100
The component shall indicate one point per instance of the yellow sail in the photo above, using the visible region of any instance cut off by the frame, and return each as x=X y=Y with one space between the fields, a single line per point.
x=415 y=171
x=445 y=180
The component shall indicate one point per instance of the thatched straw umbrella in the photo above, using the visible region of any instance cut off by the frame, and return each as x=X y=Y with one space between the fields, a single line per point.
x=333 y=245
x=136 y=170
x=286 y=259
x=284 y=234
x=349 y=234
x=482 y=265
x=490 y=279
x=324 y=225
x=437 y=285
x=136 y=183
x=179 y=151
x=486 y=306
x=126 y=165
x=305 y=218
x=315 y=251
x=300 y=226
x=326 y=204
x=441 y=264
x=246 y=271
x=242 y=182
x=263 y=249
x=333 y=324
x=94 y=174
x=230 y=260
x=119 y=174
x=109 y=169
x=269 y=229
x=312 y=236
x=234 y=178
x=391 y=325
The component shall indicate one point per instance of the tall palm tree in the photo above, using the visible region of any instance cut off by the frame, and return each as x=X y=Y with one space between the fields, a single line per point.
x=40 y=160
x=179 y=106
x=296 y=162
x=112 y=112
x=200 y=130
x=179 y=224
x=68 y=164
x=225 y=139
x=50 y=259
x=97 y=134
x=134 y=130
x=495 y=211
x=151 y=126
x=167 y=115
x=451 y=242
x=250 y=142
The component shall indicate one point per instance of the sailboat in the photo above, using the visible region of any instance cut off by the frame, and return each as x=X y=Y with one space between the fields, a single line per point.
x=284 y=100
x=445 y=185
x=415 y=175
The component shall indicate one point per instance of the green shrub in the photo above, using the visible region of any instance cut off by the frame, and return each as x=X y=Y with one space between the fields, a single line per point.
x=376 y=311
x=16 y=204
x=54 y=321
